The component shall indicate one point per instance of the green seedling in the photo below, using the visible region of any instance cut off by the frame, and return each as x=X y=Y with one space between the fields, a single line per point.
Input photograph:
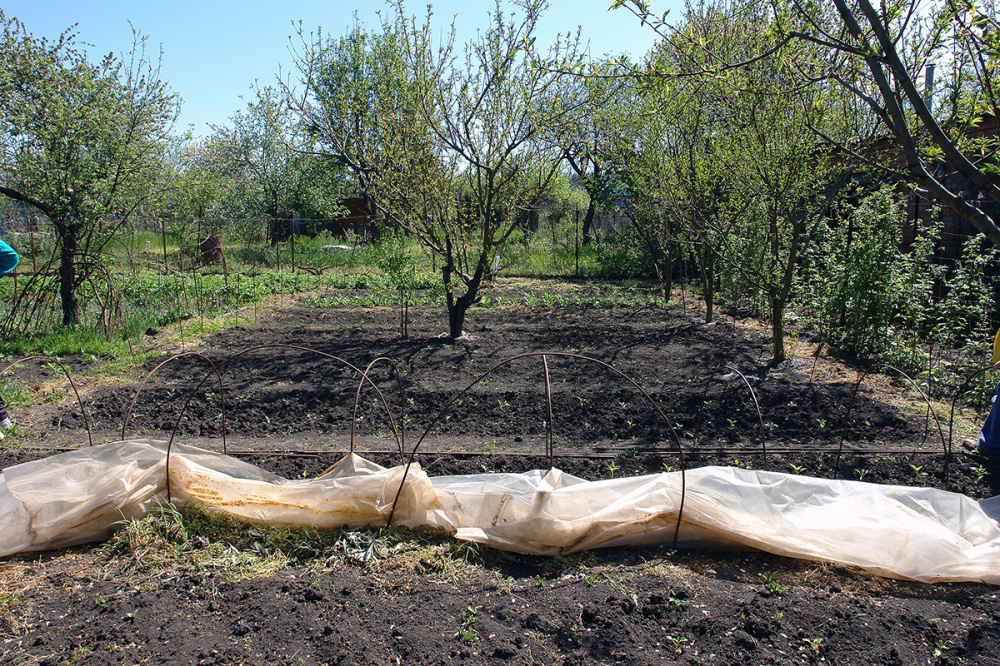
x=813 y=643
x=771 y=583
x=676 y=641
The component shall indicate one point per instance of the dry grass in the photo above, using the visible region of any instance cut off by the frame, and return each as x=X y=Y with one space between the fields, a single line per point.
x=17 y=579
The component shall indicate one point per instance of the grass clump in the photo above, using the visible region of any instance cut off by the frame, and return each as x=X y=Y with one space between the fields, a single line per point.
x=193 y=539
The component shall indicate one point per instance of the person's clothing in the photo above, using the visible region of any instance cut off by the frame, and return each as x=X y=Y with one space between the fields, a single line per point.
x=989 y=438
x=8 y=259
x=8 y=262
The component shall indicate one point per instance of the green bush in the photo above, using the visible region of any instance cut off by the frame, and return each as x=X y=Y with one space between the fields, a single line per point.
x=623 y=254
x=856 y=281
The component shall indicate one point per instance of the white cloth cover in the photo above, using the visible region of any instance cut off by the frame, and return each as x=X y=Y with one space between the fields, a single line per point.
x=914 y=533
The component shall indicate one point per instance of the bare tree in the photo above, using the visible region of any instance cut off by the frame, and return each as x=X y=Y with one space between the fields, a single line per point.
x=446 y=141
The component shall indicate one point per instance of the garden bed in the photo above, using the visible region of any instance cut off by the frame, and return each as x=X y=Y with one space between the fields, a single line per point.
x=374 y=597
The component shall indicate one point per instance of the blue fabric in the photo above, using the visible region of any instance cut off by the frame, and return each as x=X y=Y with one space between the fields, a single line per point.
x=8 y=262
x=8 y=258
x=989 y=438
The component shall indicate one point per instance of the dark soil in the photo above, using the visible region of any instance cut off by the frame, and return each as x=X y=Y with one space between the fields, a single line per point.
x=618 y=606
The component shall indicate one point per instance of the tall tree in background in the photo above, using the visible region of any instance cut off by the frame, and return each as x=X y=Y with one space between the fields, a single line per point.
x=447 y=143
x=735 y=157
x=880 y=55
x=274 y=170
x=594 y=134
x=487 y=108
x=672 y=174
x=196 y=178
x=81 y=142
x=354 y=96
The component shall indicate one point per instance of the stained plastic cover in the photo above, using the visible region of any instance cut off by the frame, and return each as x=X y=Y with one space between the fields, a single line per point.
x=904 y=532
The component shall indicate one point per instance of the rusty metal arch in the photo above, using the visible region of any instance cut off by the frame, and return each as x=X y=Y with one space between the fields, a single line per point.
x=857 y=386
x=50 y=359
x=218 y=368
x=756 y=404
x=401 y=433
x=222 y=393
x=544 y=356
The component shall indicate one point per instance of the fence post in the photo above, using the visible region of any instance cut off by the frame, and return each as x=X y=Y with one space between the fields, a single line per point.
x=163 y=227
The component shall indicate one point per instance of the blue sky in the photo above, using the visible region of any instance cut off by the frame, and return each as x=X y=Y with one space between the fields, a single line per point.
x=214 y=51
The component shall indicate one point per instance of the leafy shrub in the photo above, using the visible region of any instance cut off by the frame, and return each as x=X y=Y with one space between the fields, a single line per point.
x=913 y=309
x=623 y=254
x=856 y=281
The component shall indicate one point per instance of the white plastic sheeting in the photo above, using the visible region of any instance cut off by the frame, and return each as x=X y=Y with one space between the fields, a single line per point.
x=916 y=533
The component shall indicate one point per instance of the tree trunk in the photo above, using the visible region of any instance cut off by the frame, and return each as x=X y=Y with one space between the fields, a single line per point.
x=847 y=262
x=664 y=265
x=778 y=328
x=588 y=221
x=781 y=293
x=458 y=307
x=456 y=315
x=404 y=313
x=67 y=278
x=706 y=262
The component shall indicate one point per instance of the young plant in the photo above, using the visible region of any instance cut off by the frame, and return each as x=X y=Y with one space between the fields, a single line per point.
x=771 y=583
x=467 y=633
x=676 y=642
x=813 y=643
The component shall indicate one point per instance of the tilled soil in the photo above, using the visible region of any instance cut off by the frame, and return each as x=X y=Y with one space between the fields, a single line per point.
x=628 y=606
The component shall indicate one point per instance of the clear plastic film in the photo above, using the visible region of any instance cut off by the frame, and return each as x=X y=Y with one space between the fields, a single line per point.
x=916 y=533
